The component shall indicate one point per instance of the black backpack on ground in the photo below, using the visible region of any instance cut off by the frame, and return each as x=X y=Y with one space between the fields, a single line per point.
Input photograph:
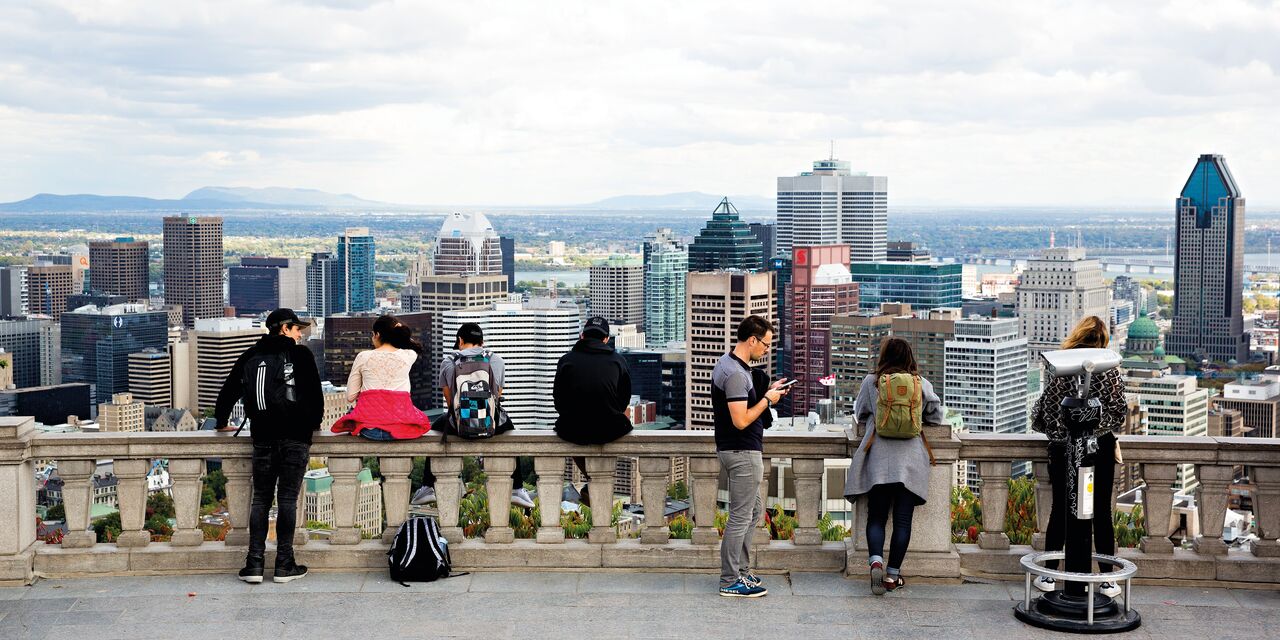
x=419 y=553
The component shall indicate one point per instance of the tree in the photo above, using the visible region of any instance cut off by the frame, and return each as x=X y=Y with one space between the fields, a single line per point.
x=1250 y=305
x=678 y=491
x=56 y=513
x=108 y=527
x=217 y=482
x=160 y=504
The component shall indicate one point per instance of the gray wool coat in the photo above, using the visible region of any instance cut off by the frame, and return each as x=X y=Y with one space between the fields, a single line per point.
x=891 y=460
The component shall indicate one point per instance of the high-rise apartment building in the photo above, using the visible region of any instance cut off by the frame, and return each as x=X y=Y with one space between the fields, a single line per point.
x=151 y=377
x=530 y=337
x=1055 y=292
x=1173 y=405
x=123 y=413
x=467 y=245
x=726 y=242
x=921 y=285
x=927 y=331
x=617 y=290
x=831 y=205
x=76 y=257
x=262 y=284
x=215 y=345
x=13 y=291
x=97 y=341
x=820 y=288
x=986 y=372
x=347 y=335
x=120 y=267
x=717 y=303
x=48 y=287
x=356 y=255
x=1208 y=321
x=1126 y=288
x=193 y=266
x=666 y=266
x=326 y=286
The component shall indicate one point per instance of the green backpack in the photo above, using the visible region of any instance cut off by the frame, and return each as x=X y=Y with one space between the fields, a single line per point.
x=899 y=406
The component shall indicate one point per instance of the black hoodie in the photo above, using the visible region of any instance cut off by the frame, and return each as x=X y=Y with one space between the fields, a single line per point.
x=592 y=391
x=298 y=426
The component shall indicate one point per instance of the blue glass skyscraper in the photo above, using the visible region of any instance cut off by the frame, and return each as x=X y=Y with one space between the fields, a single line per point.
x=356 y=255
x=666 y=266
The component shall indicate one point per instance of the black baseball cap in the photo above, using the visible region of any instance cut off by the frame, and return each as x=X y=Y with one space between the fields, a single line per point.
x=471 y=333
x=283 y=316
x=596 y=326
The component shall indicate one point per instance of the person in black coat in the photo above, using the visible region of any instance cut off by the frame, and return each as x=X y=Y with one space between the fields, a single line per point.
x=592 y=391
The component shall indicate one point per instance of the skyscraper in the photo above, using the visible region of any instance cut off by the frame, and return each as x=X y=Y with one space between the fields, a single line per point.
x=986 y=377
x=666 y=266
x=119 y=267
x=193 y=266
x=96 y=343
x=467 y=245
x=854 y=352
x=530 y=337
x=13 y=291
x=347 y=335
x=921 y=285
x=326 y=286
x=717 y=302
x=215 y=345
x=820 y=288
x=261 y=284
x=356 y=254
x=151 y=377
x=617 y=290
x=35 y=346
x=726 y=243
x=767 y=234
x=831 y=205
x=509 y=260
x=1055 y=292
x=1209 y=267
x=927 y=331
x=438 y=294
x=48 y=287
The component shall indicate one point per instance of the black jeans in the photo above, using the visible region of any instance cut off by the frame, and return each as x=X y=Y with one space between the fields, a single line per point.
x=1104 y=478
x=879 y=501
x=278 y=468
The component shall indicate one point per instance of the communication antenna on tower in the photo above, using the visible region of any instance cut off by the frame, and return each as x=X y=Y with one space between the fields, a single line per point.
x=833 y=149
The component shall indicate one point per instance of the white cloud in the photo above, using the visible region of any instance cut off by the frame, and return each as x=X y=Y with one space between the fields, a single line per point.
x=561 y=102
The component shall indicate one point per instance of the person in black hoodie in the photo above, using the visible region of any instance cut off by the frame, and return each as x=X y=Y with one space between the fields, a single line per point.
x=592 y=391
x=281 y=438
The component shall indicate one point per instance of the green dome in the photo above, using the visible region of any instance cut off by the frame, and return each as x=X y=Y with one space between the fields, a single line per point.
x=1159 y=352
x=1144 y=328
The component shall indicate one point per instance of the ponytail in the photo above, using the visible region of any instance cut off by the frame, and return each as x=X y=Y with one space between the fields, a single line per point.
x=392 y=331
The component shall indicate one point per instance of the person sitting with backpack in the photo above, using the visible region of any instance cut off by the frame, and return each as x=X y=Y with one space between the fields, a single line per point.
x=379 y=385
x=280 y=386
x=471 y=381
x=891 y=465
x=592 y=391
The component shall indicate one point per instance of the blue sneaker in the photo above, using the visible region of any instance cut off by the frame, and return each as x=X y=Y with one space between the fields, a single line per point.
x=752 y=580
x=741 y=589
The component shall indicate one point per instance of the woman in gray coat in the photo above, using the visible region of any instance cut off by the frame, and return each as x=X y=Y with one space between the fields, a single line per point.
x=893 y=473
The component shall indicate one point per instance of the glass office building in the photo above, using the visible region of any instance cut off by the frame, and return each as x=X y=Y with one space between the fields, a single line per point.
x=921 y=285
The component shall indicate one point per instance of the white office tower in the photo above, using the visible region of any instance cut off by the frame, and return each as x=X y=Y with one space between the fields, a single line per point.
x=831 y=205
x=467 y=245
x=617 y=291
x=215 y=345
x=1055 y=292
x=530 y=337
x=986 y=376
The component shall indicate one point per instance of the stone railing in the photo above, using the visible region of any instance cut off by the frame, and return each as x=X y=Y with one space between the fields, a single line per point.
x=932 y=552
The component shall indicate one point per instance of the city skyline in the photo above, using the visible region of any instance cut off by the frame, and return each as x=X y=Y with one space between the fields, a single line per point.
x=960 y=105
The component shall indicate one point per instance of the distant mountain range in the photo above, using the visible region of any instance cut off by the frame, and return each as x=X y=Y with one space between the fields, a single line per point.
x=224 y=198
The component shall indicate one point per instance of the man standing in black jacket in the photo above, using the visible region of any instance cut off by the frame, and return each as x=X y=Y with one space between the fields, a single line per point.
x=592 y=391
x=294 y=407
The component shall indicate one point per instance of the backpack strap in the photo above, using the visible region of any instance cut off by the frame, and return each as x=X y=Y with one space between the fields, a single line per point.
x=882 y=397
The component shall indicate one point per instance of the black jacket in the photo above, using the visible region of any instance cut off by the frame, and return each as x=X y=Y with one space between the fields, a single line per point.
x=305 y=420
x=592 y=391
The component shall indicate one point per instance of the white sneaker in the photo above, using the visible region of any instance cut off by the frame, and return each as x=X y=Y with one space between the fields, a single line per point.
x=522 y=498
x=1044 y=583
x=425 y=494
x=1109 y=589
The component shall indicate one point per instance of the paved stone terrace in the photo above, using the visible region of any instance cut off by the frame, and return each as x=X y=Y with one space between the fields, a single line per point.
x=587 y=605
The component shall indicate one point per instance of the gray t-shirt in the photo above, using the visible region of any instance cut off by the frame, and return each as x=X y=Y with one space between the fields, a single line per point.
x=447 y=366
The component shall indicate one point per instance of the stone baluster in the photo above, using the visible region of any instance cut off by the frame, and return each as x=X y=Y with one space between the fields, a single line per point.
x=1266 y=507
x=77 y=500
x=300 y=533
x=706 y=475
x=1157 y=506
x=448 y=472
x=600 y=488
x=808 y=472
x=550 y=471
x=131 y=491
x=762 y=535
x=239 y=472
x=653 y=488
x=1211 y=502
x=346 y=493
x=995 y=501
x=185 y=473
x=498 y=472
x=17 y=500
x=395 y=493
x=1044 y=504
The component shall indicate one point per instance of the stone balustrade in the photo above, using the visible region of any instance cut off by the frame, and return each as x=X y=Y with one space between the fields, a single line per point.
x=932 y=552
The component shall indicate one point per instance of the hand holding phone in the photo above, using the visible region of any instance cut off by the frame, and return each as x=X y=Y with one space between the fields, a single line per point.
x=786 y=385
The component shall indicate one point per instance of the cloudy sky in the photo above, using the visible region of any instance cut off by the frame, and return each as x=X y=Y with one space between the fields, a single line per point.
x=959 y=103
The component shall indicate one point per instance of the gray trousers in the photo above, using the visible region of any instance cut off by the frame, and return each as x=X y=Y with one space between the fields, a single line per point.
x=745 y=470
